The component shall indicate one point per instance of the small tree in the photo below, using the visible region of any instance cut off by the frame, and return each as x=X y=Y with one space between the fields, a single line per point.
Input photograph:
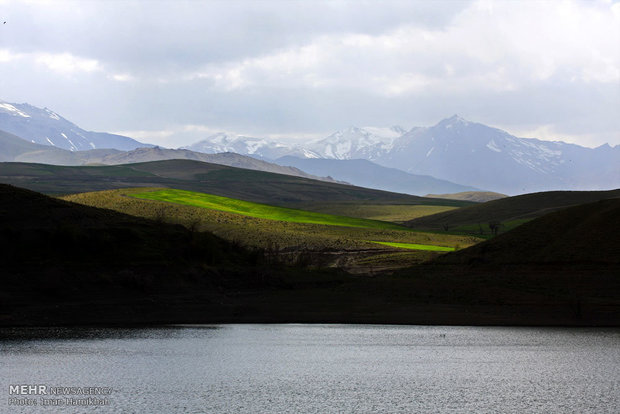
x=494 y=225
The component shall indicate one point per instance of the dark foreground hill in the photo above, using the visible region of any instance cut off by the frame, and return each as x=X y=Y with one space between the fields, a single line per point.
x=475 y=218
x=587 y=233
x=562 y=265
x=66 y=264
x=257 y=186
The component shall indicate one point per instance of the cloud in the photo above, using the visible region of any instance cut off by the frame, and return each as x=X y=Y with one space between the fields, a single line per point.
x=8 y=56
x=277 y=68
x=499 y=48
x=66 y=63
x=122 y=77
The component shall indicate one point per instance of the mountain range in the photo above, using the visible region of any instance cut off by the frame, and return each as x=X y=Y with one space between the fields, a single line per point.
x=13 y=148
x=455 y=155
x=43 y=126
x=459 y=151
x=255 y=147
x=489 y=158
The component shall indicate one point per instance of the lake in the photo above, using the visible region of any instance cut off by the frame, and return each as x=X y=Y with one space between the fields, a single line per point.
x=310 y=369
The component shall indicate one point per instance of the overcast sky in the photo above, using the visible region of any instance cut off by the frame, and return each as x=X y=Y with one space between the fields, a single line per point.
x=173 y=72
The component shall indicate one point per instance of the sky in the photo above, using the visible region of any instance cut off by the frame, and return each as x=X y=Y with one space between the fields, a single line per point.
x=174 y=72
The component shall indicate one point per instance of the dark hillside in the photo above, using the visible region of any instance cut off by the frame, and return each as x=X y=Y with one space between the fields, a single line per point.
x=588 y=233
x=36 y=230
x=250 y=185
x=518 y=208
x=67 y=264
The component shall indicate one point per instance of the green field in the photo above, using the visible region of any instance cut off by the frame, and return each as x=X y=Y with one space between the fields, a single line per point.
x=287 y=234
x=414 y=246
x=262 y=211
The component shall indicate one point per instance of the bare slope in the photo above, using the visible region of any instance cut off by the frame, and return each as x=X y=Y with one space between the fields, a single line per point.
x=475 y=196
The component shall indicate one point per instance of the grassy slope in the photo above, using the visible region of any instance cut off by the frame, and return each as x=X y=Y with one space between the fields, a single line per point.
x=69 y=264
x=511 y=211
x=330 y=245
x=255 y=186
x=588 y=233
x=263 y=211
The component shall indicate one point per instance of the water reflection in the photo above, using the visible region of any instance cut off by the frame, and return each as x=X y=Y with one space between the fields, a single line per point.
x=93 y=333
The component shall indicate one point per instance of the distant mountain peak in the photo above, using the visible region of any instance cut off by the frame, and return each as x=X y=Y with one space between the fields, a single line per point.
x=398 y=129
x=44 y=126
x=454 y=121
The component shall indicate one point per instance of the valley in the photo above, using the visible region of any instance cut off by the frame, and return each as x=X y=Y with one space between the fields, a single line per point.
x=140 y=234
x=69 y=264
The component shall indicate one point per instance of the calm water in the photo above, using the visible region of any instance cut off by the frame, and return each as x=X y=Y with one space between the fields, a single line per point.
x=320 y=368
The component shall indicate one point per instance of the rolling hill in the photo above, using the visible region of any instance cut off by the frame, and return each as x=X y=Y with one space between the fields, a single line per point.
x=35 y=226
x=583 y=234
x=475 y=196
x=65 y=264
x=257 y=186
x=509 y=211
x=354 y=244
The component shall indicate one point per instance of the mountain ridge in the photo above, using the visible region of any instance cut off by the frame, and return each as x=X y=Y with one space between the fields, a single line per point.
x=454 y=150
x=365 y=173
x=46 y=127
x=15 y=149
x=471 y=153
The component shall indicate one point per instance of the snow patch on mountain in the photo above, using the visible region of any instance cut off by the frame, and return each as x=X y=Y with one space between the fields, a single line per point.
x=493 y=146
x=467 y=152
x=256 y=147
x=353 y=143
x=8 y=108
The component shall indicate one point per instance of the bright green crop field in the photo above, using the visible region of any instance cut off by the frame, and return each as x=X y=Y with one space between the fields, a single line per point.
x=332 y=240
x=262 y=211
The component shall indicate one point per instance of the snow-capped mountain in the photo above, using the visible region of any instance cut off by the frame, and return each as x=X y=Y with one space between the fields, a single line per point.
x=43 y=126
x=455 y=150
x=256 y=147
x=367 y=143
x=468 y=152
